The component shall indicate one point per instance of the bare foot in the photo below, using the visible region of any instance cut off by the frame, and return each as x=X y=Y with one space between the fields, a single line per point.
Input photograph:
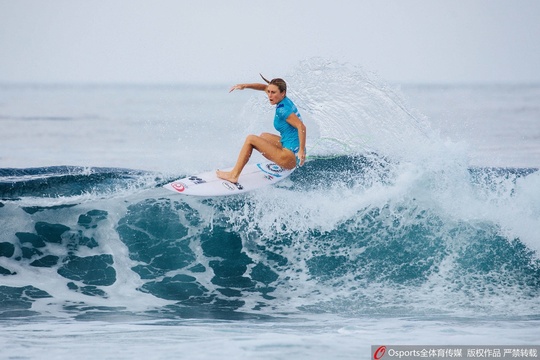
x=227 y=175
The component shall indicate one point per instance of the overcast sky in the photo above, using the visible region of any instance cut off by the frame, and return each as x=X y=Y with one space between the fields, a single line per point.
x=229 y=41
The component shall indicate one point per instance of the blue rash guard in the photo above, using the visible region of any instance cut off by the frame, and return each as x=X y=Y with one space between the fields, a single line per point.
x=289 y=134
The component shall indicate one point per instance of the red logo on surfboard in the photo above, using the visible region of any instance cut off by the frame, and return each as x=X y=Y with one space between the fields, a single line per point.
x=178 y=186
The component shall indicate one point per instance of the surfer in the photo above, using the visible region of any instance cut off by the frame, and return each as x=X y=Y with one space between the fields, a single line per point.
x=288 y=149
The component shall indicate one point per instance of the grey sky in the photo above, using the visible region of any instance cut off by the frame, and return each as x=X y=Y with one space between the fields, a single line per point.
x=232 y=40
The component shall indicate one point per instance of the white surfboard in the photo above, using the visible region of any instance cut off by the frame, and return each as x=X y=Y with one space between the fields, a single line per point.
x=253 y=176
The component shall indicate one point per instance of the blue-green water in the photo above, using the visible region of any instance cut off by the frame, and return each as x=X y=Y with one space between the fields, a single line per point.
x=390 y=233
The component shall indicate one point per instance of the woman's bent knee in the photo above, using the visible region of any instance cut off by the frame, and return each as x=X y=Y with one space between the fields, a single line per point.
x=251 y=138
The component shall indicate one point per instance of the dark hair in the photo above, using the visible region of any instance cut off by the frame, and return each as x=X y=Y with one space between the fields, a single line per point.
x=280 y=83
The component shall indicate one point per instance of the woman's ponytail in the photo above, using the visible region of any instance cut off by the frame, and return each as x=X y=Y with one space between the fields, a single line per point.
x=267 y=81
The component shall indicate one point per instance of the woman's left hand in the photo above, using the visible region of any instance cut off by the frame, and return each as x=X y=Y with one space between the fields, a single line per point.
x=237 y=87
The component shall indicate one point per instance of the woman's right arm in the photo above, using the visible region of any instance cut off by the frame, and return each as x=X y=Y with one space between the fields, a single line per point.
x=254 y=86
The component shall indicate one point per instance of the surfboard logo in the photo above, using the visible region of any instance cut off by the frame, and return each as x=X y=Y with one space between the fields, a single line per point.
x=274 y=168
x=178 y=186
x=196 y=180
x=271 y=168
x=231 y=186
x=228 y=185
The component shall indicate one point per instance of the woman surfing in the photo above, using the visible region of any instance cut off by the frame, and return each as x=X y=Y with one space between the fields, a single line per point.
x=286 y=150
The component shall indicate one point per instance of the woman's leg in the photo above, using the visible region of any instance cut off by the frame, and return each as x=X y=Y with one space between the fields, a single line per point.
x=267 y=145
x=273 y=138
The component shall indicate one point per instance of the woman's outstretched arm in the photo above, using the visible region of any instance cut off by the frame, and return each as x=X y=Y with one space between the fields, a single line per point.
x=254 y=86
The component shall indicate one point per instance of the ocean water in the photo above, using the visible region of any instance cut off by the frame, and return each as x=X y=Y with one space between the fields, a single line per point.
x=414 y=221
